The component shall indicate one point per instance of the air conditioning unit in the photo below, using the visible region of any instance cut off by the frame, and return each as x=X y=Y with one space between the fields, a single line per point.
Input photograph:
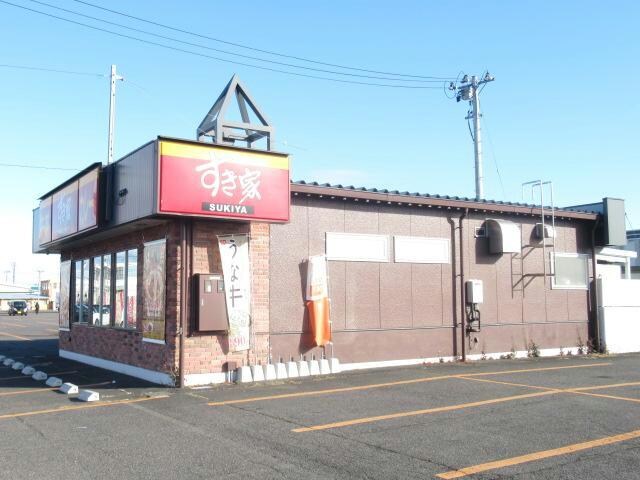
x=549 y=231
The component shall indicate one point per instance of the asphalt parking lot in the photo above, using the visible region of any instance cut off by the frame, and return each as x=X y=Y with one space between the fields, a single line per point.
x=570 y=417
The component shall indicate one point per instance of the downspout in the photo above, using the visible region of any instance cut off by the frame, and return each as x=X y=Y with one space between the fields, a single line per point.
x=183 y=300
x=463 y=316
x=593 y=299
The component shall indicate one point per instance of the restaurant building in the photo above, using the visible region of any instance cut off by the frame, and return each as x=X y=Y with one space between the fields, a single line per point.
x=186 y=260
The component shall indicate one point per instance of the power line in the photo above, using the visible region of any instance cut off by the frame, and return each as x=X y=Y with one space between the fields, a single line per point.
x=54 y=70
x=38 y=167
x=203 y=55
x=293 y=57
x=226 y=52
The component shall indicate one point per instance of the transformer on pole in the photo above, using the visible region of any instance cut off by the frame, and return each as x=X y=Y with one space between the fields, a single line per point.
x=469 y=90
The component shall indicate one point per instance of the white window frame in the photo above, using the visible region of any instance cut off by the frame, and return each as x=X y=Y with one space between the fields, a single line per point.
x=553 y=256
x=424 y=243
x=336 y=236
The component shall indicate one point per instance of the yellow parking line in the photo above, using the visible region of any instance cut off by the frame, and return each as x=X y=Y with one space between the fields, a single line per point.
x=448 y=408
x=79 y=407
x=399 y=382
x=577 y=390
x=14 y=336
x=531 y=457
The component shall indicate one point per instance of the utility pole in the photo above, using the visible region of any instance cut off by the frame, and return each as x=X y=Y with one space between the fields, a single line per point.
x=39 y=284
x=469 y=90
x=13 y=268
x=112 y=109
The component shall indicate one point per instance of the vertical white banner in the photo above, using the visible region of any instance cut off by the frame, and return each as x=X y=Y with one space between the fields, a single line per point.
x=317 y=287
x=234 y=254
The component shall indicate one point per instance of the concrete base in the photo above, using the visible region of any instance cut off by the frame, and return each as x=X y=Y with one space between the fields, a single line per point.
x=269 y=371
x=257 y=373
x=281 y=371
x=243 y=375
x=334 y=365
x=17 y=366
x=292 y=370
x=8 y=361
x=28 y=371
x=39 y=376
x=325 y=369
x=69 y=388
x=54 y=381
x=88 y=396
x=303 y=369
x=314 y=367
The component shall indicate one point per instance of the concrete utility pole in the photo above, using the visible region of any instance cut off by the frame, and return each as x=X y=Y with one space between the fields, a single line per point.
x=112 y=110
x=13 y=268
x=39 y=280
x=469 y=90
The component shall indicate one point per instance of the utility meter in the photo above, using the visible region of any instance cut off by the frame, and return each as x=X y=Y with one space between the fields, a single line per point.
x=474 y=291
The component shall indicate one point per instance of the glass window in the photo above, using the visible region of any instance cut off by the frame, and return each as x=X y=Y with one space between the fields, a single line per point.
x=105 y=308
x=77 y=301
x=153 y=278
x=570 y=271
x=119 y=313
x=65 y=284
x=96 y=290
x=85 y=291
x=132 y=288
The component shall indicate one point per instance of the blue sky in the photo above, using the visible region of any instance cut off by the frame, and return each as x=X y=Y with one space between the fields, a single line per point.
x=563 y=106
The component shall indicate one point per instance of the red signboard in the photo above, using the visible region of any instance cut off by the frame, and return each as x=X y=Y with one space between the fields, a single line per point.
x=213 y=181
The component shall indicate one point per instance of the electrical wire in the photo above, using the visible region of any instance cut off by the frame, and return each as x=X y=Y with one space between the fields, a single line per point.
x=495 y=161
x=203 y=55
x=53 y=70
x=302 y=59
x=38 y=167
x=226 y=52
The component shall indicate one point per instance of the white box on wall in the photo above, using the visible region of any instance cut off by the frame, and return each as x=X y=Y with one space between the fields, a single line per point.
x=357 y=247
x=421 y=250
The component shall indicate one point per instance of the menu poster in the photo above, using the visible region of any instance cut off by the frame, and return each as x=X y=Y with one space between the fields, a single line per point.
x=88 y=201
x=153 y=280
x=44 y=228
x=64 y=212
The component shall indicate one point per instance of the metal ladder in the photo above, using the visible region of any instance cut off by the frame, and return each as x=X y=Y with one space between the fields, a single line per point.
x=541 y=184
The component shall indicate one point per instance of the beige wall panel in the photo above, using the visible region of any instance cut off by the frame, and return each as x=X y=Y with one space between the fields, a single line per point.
x=323 y=216
x=360 y=218
x=427 y=295
x=362 y=295
x=395 y=295
x=337 y=294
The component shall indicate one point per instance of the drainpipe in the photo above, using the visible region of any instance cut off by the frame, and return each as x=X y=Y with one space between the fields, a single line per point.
x=183 y=300
x=463 y=321
x=593 y=299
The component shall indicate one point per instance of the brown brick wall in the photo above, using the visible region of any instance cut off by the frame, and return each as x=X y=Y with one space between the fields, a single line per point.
x=207 y=353
x=126 y=346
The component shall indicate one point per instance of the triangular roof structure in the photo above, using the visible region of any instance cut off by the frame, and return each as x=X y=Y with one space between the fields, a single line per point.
x=221 y=130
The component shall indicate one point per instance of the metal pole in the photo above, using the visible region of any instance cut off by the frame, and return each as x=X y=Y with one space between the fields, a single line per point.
x=477 y=140
x=112 y=110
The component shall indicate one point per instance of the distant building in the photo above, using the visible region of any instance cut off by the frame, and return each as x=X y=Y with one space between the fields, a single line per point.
x=9 y=293
x=633 y=243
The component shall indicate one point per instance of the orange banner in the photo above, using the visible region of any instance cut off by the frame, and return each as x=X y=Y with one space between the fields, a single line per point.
x=319 y=321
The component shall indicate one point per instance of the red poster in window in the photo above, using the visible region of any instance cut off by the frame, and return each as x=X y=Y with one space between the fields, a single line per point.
x=213 y=181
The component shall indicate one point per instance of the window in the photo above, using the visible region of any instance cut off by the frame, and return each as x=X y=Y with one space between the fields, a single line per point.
x=105 y=307
x=570 y=271
x=357 y=247
x=153 y=279
x=81 y=289
x=65 y=284
x=132 y=289
x=421 y=250
x=96 y=290
x=119 y=314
